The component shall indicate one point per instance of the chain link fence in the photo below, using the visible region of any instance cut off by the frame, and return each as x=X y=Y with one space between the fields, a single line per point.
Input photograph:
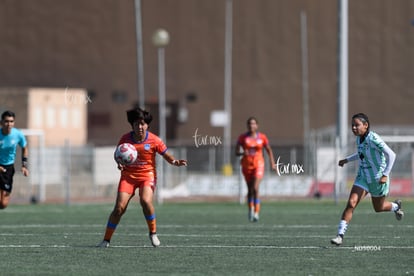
x=70 y=174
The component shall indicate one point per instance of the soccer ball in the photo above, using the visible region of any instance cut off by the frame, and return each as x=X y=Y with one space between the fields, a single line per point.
x=126 y=154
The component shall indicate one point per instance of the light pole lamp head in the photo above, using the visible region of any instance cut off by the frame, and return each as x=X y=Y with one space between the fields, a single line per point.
x=160 y=38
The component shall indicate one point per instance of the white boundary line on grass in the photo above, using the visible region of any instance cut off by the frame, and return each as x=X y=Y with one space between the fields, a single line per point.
x=66 y=234
x=203 y=246
x=194 y=226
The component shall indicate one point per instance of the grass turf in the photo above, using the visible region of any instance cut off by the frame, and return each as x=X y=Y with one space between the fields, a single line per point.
x=291 y=238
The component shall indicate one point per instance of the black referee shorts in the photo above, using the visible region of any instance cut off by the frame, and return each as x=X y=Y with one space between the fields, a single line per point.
x=6 y=178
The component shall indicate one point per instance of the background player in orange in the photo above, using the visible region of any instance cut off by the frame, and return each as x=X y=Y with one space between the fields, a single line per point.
x=139 y=175
x=250 y=145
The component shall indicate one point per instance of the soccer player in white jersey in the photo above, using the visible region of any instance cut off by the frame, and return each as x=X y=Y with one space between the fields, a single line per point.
x=375 y=163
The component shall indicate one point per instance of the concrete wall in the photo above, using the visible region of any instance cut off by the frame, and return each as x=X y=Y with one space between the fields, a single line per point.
x=60 y=113
x=92 y=44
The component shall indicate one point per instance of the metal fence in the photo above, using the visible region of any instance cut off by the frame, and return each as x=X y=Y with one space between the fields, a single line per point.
x=69 y=174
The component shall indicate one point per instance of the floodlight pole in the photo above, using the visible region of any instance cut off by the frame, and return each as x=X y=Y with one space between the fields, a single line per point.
x=305 y=85
x=160 y=40
x=342 y=125
x=140 y=56
x=227 y=80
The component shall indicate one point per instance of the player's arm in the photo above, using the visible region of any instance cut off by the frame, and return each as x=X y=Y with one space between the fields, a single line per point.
x=25 y=154
x=120 y=166
x=390 y=156
x=271 y=157
x=239 y=150
x=175 y=162
x=349 y=158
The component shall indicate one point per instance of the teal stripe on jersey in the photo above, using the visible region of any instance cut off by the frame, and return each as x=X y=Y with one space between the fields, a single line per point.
x=373 y=161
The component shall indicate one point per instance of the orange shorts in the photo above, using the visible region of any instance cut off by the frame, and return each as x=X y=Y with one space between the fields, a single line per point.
x=251 y=173
x=129 y=185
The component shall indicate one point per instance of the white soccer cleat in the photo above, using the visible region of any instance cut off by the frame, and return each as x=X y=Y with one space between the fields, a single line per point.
x=154 y=240
x=337 y=240
x=251 y=214
x=103 y=244
x=399 y=214
x=256 y=217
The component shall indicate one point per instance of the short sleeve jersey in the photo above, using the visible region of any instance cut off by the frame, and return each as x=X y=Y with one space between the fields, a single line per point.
x=253 y=146
x=372 y=161
x=144 y=168
x=8 y=145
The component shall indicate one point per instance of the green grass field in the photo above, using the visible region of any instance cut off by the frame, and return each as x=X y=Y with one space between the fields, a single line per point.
x=291 y=238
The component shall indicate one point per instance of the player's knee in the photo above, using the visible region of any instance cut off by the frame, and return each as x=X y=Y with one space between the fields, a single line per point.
x=118 y=211
x=352 y=204
x=3 y=205
x=145 y=201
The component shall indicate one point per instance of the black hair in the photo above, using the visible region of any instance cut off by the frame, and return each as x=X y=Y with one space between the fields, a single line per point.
x=252 y=118
x=7 y=113
x=138 y=114
x=363 y=118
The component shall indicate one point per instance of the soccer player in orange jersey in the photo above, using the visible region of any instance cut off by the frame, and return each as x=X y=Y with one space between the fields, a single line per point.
x=250 y=145
x=139 y=175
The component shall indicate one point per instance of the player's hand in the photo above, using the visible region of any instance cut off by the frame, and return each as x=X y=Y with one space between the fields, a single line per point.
x=121 y=167
x=3 y=170
x=342 y=162
x=383 y=179
x=179 y=162
x=25 y=171
x=275 y=168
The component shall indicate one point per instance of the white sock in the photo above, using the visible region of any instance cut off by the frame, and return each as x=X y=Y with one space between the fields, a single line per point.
x=343 y=225
x=394 y=207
